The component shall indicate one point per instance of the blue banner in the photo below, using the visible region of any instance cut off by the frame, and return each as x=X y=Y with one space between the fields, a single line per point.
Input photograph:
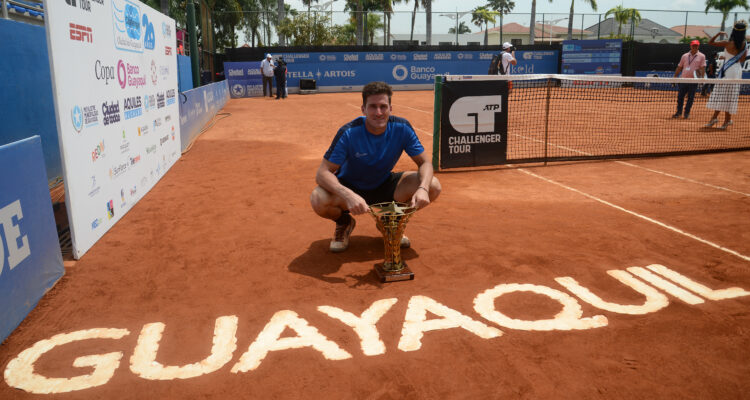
x=402 y=70
x=198 y=106
x=30 y=258
x=601 y=57
x=184 y=73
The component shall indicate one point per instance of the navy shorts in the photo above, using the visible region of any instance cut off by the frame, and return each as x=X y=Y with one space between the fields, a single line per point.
x=381 y=194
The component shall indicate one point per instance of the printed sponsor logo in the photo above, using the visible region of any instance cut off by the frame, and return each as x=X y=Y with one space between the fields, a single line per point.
x=94 y=187
x=111 y=112
x=486 y=56
x=98 y=151
x=123 y=203
x=374 y=57
x=398 y=57
x=163 y=140
x=475 y=114
x=81 y=33
x=164 y=72
x=90 y=116
x=149 y=102
x=117 y=171
x=238 y=90
x=235 y=72
x=135 y=160
x=300 y=74
x=253 y=71
x=77 y=117
x=167 y=51
x=420 y=57
x=327 y=57
x=172 y=132
x=400 y=72
x=129 y=75
x=170 y=97
x=82 y=4
x=340 y=74
x=125 y=145
x=154 y=73
x=126 y=18
x=160 y=100
x=351 y=57
x=167 y=118
x=157 y=123
x=149 y=39
x=143 y=130
x=133 y=107
x=133 y=191
x=166 y=30
x=150 y=149
x=442 y=56
x=104 y=72
x=95 y=224
x=110 y=209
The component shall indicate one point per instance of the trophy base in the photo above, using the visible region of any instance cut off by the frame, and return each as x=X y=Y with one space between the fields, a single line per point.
x=404 y=274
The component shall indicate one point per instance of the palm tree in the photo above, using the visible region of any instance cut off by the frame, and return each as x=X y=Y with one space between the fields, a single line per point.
x=623 y=15
x=280 y=19
x=417 y=4
x=570 y=18
x=462 y=28
x=532 y=27
x=725 y=6
x=428 y=19
x=502 y=7
x=481 y=15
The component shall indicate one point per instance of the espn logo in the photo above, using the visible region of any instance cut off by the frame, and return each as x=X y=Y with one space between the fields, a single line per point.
x=81 y=33
x=167 y=50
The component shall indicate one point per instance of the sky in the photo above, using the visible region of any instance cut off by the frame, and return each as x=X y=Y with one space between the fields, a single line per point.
x=559 y=7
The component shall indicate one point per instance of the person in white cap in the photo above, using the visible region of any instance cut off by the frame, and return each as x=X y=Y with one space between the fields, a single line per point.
x=507 y=58
x=266 y=69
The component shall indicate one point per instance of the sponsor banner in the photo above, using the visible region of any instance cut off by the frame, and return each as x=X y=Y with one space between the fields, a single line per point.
x=198 y=107
x=474 y=123
x=601 y=57
x=115 y=88
x=404 y=70
x=30 y=258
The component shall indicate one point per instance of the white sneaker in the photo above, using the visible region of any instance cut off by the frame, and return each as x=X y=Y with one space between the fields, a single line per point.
x=340 y=240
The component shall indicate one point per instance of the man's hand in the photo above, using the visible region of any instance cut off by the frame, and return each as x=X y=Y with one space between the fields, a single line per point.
x=356 y=204
x=420 y=199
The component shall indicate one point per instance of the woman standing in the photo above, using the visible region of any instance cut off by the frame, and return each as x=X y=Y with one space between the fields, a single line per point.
x=724 y=96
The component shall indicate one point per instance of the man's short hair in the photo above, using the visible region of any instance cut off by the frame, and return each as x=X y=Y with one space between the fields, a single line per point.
x=377 y=87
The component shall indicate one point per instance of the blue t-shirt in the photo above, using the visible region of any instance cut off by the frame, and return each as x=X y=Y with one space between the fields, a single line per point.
x=367 y=160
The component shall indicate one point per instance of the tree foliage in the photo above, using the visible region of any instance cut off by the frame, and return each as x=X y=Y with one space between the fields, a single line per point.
x=307 y=30
x=725 y=6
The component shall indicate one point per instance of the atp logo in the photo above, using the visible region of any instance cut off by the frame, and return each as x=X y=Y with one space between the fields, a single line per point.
x=475 y=114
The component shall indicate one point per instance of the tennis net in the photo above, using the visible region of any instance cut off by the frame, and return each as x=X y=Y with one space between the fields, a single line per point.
x=574 y=117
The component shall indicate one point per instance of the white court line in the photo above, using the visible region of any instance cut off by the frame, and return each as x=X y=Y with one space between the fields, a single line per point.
x=415 y=128
x=416 y=109
x=653 y=221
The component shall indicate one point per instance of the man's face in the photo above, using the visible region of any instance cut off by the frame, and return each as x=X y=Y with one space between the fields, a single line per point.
x=693 y=49
x=377 y=110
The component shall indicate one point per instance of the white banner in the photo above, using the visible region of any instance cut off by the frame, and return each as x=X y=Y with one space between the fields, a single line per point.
x=114 y=73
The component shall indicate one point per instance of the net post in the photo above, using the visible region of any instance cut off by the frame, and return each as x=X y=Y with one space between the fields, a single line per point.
x=436 y=122
x=546 y=119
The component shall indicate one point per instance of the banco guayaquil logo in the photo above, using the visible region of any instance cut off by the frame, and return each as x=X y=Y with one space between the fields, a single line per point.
x=475 y=114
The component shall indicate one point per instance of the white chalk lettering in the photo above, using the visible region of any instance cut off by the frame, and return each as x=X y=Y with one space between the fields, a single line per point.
x=364 y=326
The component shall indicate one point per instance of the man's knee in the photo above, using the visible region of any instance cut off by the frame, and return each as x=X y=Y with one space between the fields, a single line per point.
x=435 y=189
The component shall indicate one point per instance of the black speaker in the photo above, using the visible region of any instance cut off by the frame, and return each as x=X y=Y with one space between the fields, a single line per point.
x=307 y=84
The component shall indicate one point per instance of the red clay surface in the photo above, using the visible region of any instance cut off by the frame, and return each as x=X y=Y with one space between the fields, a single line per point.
x=229 y=231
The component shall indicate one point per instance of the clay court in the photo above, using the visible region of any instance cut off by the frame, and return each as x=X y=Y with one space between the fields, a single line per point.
x=227 y=238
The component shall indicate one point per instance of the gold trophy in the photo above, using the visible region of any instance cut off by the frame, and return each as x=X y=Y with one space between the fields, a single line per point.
x=391 y=219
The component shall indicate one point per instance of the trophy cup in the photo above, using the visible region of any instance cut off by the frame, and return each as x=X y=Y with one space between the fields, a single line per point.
x=391 y=219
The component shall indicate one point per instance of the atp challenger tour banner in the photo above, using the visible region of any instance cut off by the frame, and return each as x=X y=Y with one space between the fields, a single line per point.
x=473 y=123
x=114 y=76
x=349 y=71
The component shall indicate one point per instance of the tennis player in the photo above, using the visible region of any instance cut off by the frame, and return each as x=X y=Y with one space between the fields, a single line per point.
x=692 y=65
x=357 y=169
x=724 y=96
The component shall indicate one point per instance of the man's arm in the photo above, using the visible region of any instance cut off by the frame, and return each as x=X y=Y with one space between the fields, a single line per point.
x=421 y=197
x=513 y=58
x=326 y=179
